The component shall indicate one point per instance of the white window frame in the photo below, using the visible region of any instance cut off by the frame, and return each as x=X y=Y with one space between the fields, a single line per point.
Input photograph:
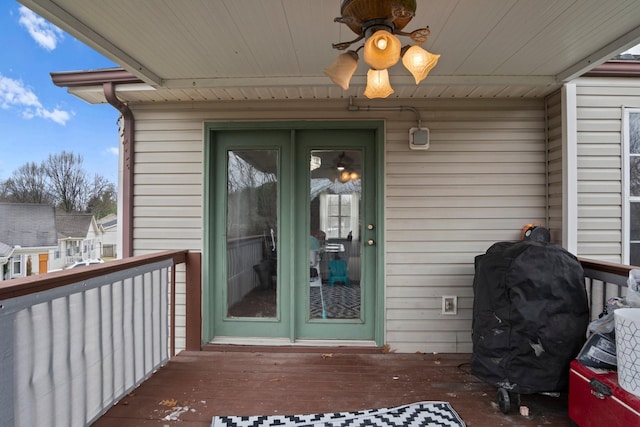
x=626 y=182
x=17 y=259
x=354 y=216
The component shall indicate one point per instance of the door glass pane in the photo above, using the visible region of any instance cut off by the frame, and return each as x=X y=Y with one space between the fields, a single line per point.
x=252 y=218
x=334 y=242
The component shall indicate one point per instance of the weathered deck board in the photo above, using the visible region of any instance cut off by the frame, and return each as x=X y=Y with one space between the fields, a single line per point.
x=268 y=381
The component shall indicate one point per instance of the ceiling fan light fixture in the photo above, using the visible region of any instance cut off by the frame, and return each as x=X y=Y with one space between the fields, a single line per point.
x=378 y=85
x=382 y=50
x=419 y=62
x=342 y=69
x=379 y=22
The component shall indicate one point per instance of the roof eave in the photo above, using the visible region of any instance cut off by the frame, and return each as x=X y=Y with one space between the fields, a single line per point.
x=616 y=68
x=93 y=77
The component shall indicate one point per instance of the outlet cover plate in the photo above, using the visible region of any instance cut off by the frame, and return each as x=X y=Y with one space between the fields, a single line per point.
x=449 y=304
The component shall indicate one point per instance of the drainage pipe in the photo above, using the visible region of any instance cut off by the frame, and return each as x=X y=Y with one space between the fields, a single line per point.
x=109 y=89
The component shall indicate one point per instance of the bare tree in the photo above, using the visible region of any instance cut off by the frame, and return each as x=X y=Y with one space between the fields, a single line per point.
x=67 y=180
x=60 y=180
x=28 y=184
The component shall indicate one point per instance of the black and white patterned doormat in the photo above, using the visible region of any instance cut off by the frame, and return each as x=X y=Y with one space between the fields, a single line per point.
x=420 y=414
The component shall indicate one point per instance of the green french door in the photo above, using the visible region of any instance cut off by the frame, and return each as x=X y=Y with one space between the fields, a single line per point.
x=293 y=233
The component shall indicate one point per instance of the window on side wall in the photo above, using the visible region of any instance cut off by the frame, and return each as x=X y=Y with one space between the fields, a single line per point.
x=16 y=266
x=631 y=175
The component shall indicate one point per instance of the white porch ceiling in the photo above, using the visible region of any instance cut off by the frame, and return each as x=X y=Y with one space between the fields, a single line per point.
x=277 y=49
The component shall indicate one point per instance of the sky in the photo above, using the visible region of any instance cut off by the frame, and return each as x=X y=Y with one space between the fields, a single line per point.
x=37 y=118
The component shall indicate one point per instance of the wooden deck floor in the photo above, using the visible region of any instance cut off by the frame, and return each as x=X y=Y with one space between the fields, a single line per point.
x=295 y=381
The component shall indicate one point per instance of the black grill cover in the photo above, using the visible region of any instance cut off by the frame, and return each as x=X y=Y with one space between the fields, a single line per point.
x=530 y=316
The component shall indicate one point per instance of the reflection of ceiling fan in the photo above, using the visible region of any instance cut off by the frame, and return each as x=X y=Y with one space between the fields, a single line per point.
x=344 y=165
x=343 y=162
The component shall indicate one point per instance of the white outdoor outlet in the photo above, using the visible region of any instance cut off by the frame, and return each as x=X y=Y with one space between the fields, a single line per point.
x=449 y=304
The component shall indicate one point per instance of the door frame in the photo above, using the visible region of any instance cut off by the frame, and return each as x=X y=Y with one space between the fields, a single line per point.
x=209 y=220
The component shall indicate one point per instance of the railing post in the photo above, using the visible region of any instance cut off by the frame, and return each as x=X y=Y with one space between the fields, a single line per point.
x=193 y=339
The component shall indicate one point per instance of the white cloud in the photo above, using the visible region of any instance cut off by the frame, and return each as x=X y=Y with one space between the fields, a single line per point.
x=43 y=32
x=14 y=95
x=112 y=150
x=59 y=116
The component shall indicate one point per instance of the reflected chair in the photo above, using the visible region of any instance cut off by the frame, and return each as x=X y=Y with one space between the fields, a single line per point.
x=338 y=272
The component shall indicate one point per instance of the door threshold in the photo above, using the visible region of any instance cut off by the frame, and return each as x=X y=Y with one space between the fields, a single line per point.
x=283 y=344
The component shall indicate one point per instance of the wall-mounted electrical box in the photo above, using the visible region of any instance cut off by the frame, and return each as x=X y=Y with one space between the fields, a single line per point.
x=419 y=138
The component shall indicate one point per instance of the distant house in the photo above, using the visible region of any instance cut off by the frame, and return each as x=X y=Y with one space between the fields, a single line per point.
x=109 y=226
x=27 y=234
x=79 y=238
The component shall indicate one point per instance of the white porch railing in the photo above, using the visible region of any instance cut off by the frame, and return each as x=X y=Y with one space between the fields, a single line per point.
x=242 y=256
x=69 y=352
x=74 y=342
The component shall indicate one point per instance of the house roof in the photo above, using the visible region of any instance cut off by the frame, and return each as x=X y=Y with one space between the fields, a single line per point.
x=27 y=225
x=108 y=221
x=5 y=250
x=109 y=224
x=73 y=225
x=261 y=49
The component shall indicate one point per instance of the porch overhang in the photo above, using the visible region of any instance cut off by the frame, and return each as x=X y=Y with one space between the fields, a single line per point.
x=252 y=50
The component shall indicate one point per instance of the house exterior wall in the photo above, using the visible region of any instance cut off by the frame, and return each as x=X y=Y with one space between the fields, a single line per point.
x=25 y=256
x=110 y=241
x=554 y=109
x=600 y=103
x=481 y=181
x=57 y=263
x=92 y=244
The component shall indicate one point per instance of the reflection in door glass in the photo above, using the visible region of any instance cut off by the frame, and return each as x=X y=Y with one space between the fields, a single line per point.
x=252 y=218
x=334 y=244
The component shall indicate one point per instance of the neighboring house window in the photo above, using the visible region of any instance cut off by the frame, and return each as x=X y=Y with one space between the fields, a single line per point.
x=632 y=186
x=16 y=266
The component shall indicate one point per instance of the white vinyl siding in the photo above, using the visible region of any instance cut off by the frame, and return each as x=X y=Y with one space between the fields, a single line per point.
x=600 y=176
x=555 y=109
x=481 y=181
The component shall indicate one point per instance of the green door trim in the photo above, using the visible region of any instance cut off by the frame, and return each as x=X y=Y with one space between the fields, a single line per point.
x=209 y=246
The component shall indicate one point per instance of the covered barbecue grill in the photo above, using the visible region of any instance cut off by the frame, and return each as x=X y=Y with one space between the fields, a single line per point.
x=530 y=317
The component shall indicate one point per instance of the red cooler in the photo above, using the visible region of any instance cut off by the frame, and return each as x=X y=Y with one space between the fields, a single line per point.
x=596 y=399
